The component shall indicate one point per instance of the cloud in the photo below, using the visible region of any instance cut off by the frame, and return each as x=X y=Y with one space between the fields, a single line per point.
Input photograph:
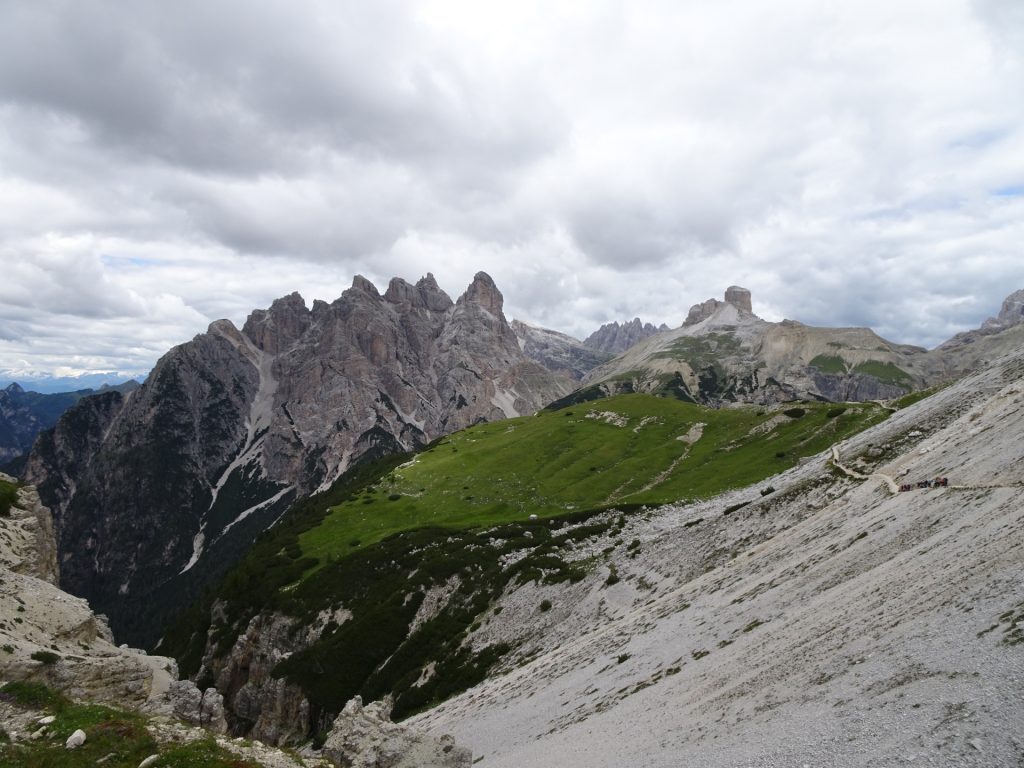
x=163 y=165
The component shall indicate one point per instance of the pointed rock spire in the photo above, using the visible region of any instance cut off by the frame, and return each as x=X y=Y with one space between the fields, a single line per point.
x=484 y=293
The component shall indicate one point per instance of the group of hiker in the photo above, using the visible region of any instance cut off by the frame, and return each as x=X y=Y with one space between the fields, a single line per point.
x=938 y=482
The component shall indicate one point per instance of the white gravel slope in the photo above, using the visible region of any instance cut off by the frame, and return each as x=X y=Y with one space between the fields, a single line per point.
x=852 y=627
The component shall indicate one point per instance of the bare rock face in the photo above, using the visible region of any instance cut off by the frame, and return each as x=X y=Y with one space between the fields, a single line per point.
x=734 y=296
x=365 y=737
x=158 y=492
x=202 y=708
x=262 y=706
x=615 y=338
x=702 y=311
x=558 y=352
x=739 y=298
x=1010 y=314
x=54 y=638
x=27 y=542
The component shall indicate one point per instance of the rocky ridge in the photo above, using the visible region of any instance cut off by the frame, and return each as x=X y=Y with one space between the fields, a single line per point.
x=156 y=492
x=558 y=352
x=615 y=338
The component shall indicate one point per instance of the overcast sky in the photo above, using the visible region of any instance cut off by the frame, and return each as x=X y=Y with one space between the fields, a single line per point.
x=165 y=164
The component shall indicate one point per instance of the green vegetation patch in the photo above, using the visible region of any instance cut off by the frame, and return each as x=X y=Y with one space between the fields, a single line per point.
x=829 y=364
x=620 y=450
x=916 y=397
x=118 y=738
x=885 y=372
x=8 y=497
x=701 y=351
x=201 y=754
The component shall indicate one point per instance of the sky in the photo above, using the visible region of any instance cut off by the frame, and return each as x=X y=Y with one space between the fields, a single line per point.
x=163 y=165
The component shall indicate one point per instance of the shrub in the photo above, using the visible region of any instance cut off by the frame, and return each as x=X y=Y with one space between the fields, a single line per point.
x=32 y=696
x=46 y=657
x=394 y=497
x=834 y=412
x=766 y=491
x=794 y=413
x=8 y=497
x=545 y=606
x=613 y=576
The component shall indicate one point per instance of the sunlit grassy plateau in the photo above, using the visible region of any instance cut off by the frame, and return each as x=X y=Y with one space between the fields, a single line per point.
x=630 y=449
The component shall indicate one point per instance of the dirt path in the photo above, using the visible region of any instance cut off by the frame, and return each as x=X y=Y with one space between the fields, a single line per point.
x=893 y=487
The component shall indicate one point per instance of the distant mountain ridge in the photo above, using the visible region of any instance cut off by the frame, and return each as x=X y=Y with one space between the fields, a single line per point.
x=724 y=353
x=615 y=338
x=558 y=352
x=24 y=414
x=158 y=491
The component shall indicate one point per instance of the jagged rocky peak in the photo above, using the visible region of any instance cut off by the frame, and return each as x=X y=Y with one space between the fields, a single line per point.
x=615 y=338
x=277 y=328
x=14 y=388
x=360 y=283
x=1010 y=314
x=426 y=294
x=734 y=295
x=484 y=293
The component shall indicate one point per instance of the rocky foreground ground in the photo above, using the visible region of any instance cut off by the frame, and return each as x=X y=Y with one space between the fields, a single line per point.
x=828 y=622
x=70 y=697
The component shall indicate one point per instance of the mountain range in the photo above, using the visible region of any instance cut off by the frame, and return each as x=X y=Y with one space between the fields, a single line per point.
x=400 y=495
x=24 y=414
x=156 y=492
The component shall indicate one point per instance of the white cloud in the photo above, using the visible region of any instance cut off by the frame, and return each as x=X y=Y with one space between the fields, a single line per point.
x=163 y=165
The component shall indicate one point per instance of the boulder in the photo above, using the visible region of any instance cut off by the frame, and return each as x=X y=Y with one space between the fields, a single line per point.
x=75 y=740
x=365 y=737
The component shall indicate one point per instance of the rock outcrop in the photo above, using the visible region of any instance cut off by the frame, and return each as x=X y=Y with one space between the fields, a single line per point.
x=157 y=492
x=734 y=296
x=28 y=545
x=615 y=338
x=1010 y=314
x=365 y=737
x=558 y=352
x=54 y=638
x=262 y=706
x=202 y=708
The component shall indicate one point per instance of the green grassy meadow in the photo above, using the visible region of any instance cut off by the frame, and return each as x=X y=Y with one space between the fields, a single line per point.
x=581 y=458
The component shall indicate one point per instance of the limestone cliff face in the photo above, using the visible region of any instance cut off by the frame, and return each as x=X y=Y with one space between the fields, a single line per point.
x=158 y=492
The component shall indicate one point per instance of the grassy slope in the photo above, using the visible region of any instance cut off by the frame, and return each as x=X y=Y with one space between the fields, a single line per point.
x=561 y=461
